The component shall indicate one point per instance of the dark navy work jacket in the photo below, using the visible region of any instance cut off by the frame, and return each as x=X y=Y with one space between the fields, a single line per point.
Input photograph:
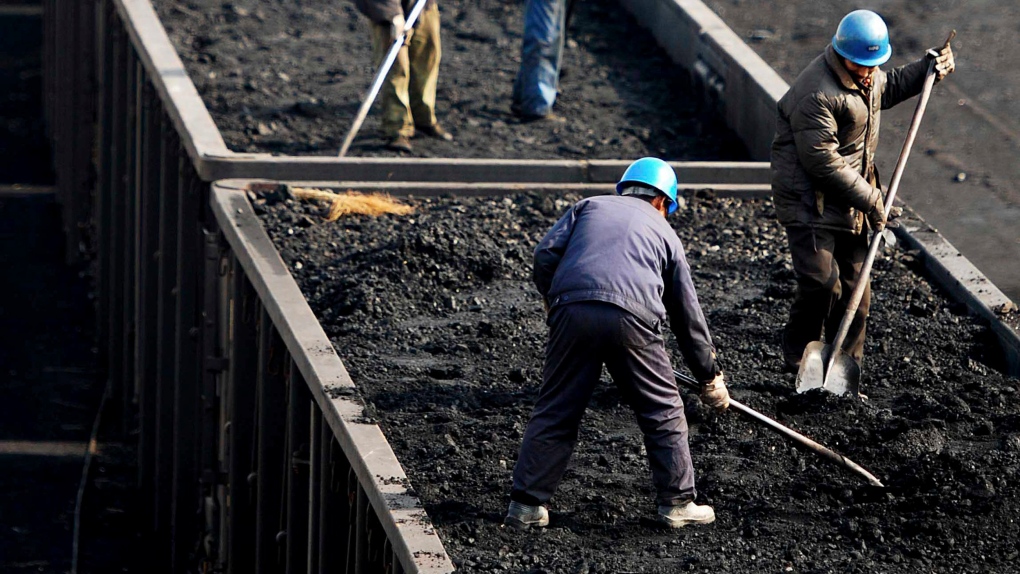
x=621 y=250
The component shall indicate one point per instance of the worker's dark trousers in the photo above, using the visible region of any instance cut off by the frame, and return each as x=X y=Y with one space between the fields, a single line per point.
x=582 y=337
x=827 y=264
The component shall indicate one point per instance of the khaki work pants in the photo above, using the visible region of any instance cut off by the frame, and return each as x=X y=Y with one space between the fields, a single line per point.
x=409 y=92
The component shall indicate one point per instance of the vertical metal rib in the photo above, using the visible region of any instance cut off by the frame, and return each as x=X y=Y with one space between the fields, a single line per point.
x=209 y=399
x=272 y=414
x=130 y=238
x=241 y=393
x=361 y=533
x=187 y=381
x=114 y=218
x=107 y=27
x=166 y=343
x=299 y=453
x=148 y=292
x=314 y=486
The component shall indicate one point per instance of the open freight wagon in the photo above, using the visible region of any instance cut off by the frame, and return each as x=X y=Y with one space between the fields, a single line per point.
x=245 y=411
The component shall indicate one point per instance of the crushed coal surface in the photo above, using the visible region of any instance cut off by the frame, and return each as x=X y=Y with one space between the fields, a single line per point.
x=436 y=319
x=289 y=77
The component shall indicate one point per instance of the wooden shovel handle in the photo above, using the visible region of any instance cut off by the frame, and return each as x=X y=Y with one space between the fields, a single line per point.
x=876 y=241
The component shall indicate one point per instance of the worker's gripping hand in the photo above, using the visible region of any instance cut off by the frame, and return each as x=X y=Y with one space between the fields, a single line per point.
x=945 y=64
x=714 y=393
x=876 y=217
x=396 y=26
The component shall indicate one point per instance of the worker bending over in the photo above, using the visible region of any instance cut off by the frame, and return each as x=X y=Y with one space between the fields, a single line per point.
x=610 y=271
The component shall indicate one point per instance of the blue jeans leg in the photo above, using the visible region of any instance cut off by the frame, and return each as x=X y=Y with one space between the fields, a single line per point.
x=537 y=81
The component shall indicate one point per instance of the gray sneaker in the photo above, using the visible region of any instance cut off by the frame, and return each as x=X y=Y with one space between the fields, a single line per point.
x=522 y=516
x=684 y=514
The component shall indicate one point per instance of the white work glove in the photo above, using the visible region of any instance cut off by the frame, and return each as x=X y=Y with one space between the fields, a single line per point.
x=396 y=26
x=714 y=393
x=944 y=61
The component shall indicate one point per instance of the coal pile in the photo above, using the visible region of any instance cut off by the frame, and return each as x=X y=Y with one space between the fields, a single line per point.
x=435 y=317
x=288 y=78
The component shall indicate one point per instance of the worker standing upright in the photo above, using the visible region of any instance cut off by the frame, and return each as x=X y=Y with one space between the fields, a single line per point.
x=537 y=82
x=409 y=93
x=610 y=272
x=824 y=181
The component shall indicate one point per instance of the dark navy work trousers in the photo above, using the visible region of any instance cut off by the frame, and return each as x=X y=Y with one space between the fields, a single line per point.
x=582 y=337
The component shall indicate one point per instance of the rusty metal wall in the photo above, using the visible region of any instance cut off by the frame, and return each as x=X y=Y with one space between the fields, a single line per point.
x=69 y=90
x=240 y=468
x=342 y=503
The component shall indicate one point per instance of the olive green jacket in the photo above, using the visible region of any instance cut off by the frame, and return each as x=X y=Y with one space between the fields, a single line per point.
x=823 y=154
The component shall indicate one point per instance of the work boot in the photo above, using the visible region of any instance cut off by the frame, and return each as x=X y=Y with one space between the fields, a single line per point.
x=435 y=131
x=791 y=360
x=526 y=118
x=399 y=143
x=521 y=516
x=791 y=365
x=684 y=514
x=549 y=117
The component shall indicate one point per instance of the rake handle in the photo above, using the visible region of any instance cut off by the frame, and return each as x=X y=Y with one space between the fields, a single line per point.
x=380 y=76
x=817 y=448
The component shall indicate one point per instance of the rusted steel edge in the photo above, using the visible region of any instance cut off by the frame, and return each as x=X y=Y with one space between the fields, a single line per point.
x=214 y=161
x=732 y=77
x=199 y=134
x=470 y=170
x=21 y=190
x=27 y=10
x=432 y=189
x=953 y=272
x=963 y=281
x=408 y=527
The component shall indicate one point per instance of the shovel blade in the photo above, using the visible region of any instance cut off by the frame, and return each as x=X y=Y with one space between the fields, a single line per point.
x=844 y=376
x=811 y=374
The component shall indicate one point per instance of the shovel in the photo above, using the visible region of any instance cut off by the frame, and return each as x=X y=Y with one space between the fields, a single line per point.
x=380 y=76
x=827 y=366
x=826 y=453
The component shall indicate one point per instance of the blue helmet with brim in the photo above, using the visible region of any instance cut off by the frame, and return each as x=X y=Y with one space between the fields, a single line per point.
x=651 y=172
x=863 y=38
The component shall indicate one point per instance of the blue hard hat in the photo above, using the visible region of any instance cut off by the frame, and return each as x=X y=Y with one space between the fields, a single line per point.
x=863 y=38
x=651 y=172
